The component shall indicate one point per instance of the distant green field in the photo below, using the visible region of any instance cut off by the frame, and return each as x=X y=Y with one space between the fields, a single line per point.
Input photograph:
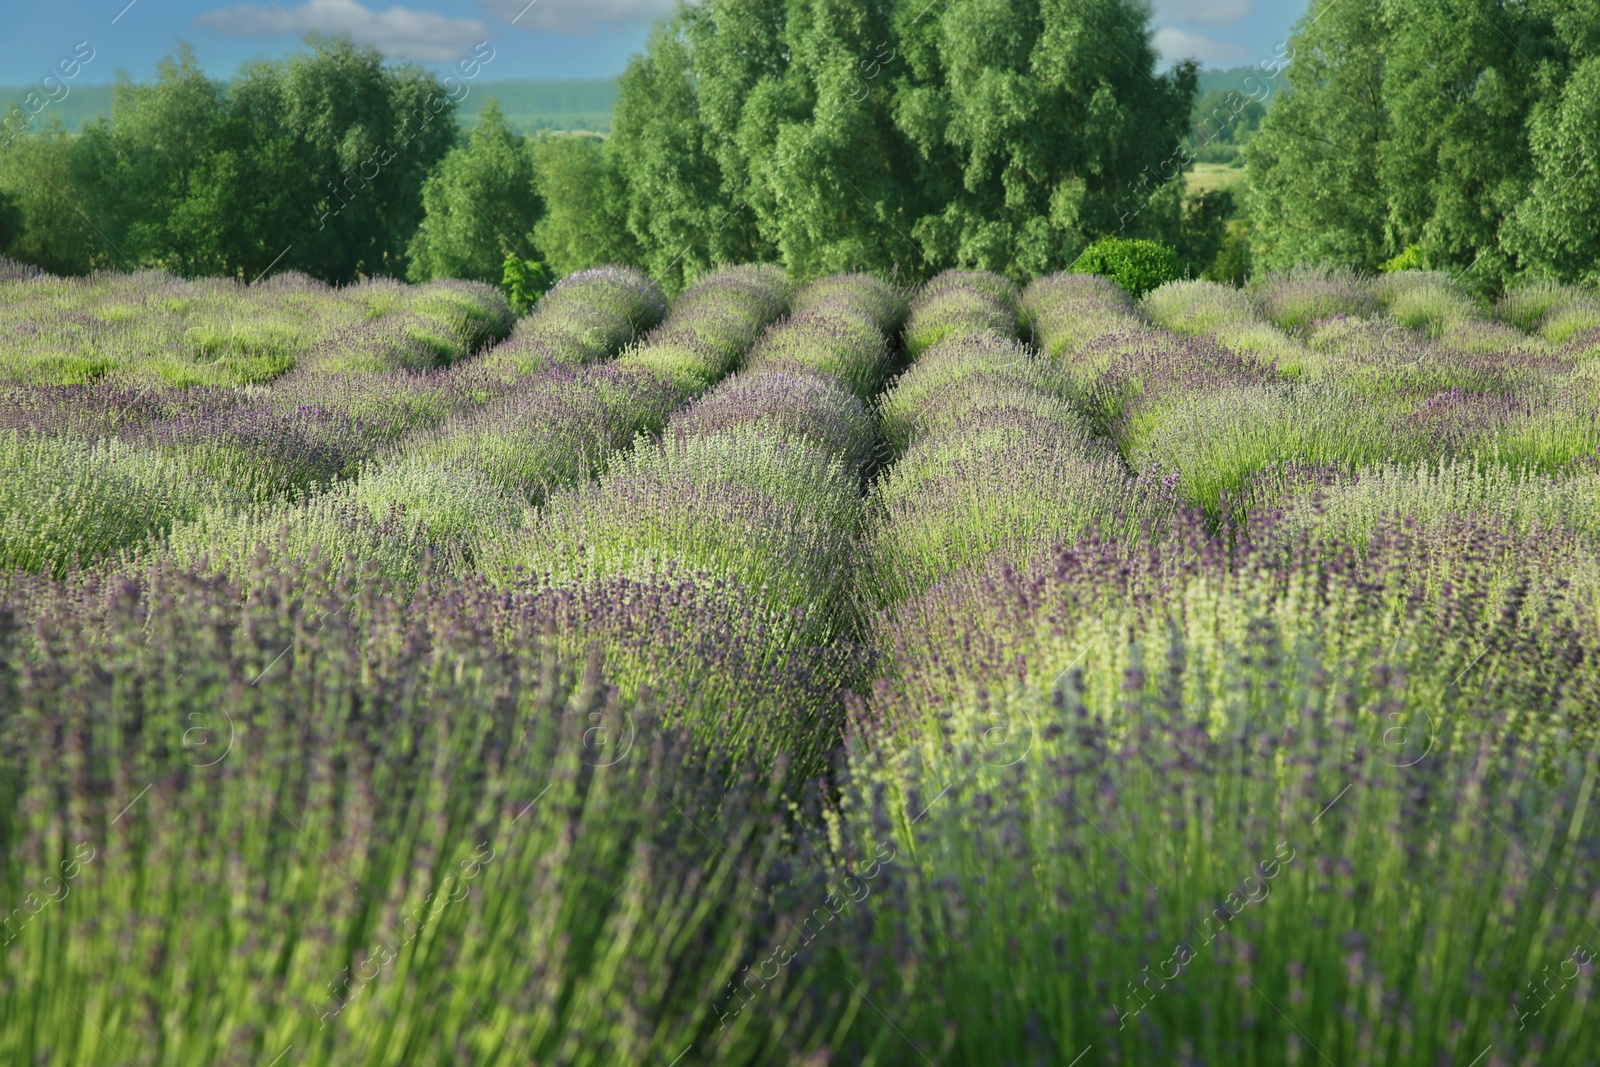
x=82 y=103
x=533 y=106
x=530 y=106
x=1209 y=176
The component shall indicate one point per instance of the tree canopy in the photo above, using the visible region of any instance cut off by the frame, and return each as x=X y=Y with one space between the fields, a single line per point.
x=314 y=164
x=479 y=205
x=1468 y=128
x=886 y=134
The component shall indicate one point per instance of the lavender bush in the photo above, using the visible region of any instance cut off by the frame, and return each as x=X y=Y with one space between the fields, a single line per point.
x=958 y=303
x=152 y=329
x=712 y=326
x=554 y=429
x=1297 y=298
x=1188 y=775
x=586 y=317
x=68 y=502
x=1067 y=311
x=1198 y=307
x=809 y=409
x=341 y=820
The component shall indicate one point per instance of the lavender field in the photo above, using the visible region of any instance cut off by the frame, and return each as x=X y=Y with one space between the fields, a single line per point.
x=798 y=674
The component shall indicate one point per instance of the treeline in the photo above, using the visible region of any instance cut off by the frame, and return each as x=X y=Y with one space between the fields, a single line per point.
x=315 y=164
x=882 y=135
x=821 y=134
x=1459 y=135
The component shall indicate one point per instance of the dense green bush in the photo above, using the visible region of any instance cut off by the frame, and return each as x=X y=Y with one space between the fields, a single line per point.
x=1137 y=266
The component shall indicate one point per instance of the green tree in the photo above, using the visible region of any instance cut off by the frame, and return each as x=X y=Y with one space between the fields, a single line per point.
x=585 y=223
x=151 y=176
x=480 y=205
x=819 y=147
x=1225 y=117
x=1461 y=77
x=831 y=134
x=314 y=164
x=1203 y=229
x=1315 y=189
x=10 y=222
x=364 y=138
x=1556 y=230
x=685 y=211
x=1038 y=126
x=1463 y=128
x=57 y=232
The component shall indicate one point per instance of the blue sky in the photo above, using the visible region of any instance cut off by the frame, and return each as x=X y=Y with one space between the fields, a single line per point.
x=546 y=39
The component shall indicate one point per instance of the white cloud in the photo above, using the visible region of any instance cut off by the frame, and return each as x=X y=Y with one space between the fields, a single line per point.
x=397 y=32
x=1174 y=44
x=577 y=16
x=1216 y=12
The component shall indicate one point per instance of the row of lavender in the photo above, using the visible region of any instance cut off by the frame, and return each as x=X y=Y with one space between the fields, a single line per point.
x=1411 y=376
x=545 y=421
x=151 y=330
x=1256 y=785
x=429 y=808
x=995 y=458
x=442 y=841
x=743 y=519
x=101 y=467
x=1083 y=776
x=317 y=817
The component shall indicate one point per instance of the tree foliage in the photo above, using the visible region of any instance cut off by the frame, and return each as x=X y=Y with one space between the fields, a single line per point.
x=1555 y=230
x=888 y=134
x=57 y=234
x=10 y=221
x=1315 y=189
x=480 y=206
x=315 y=164
x=1467 y=128
x=585 y=219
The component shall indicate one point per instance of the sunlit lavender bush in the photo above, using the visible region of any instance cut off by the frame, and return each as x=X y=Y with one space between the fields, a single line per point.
x=1557 y=313
x=1213 y=440
x=262 y=453
x=553 y=429
x=1208 y=788
x=958 y=303
x=809 y=409
x=712 y=326
x=1199 y=307
x=585 y=317
x=1350 y=507
x=67 y=502
x=831 y=339
x=153 y=329
x=942 y=378
x=1066 y=311
x=103 y=409
x=774 y=512
x=1299 y=297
